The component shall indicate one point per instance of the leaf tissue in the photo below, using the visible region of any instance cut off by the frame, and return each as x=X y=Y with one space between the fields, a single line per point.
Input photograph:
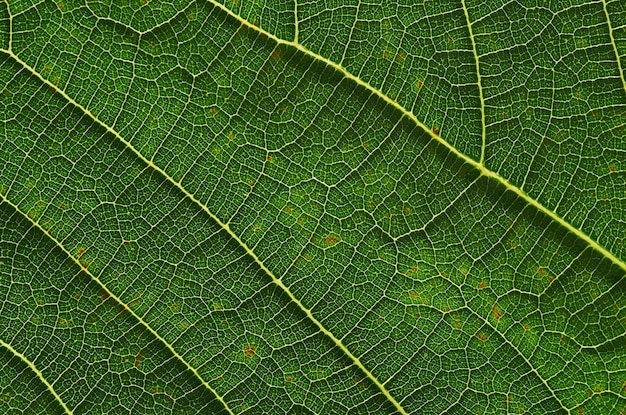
x=340 y=207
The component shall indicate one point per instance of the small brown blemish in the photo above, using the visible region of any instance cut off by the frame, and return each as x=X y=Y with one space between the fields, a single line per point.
x=126 y=243
x=436 y=131
x=212 y=110
x=249 y=351
x=497 y=313
x=277 y=54
x=138 y=358
x=612 y=169
x=330 y=240
x=482 y=285
x=400 y=56
x=481 y=337
x=413 y=294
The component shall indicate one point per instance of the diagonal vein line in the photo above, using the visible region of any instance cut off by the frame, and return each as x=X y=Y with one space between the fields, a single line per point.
x=224 y=226
x=484 y=171
x=614 y=44
x=480 y=86
x=40 y=375
x=120 y=302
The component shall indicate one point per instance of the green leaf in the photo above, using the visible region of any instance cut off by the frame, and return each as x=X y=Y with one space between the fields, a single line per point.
x=323 y=207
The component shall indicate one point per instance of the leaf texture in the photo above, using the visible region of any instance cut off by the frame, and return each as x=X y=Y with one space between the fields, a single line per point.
x=325 y=207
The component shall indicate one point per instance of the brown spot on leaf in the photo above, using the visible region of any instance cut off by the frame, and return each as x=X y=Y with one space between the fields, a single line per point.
x=497 y=313
x=249 y=351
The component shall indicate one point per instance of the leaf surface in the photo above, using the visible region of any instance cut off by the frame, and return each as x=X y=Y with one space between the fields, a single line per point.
x=249 y=207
